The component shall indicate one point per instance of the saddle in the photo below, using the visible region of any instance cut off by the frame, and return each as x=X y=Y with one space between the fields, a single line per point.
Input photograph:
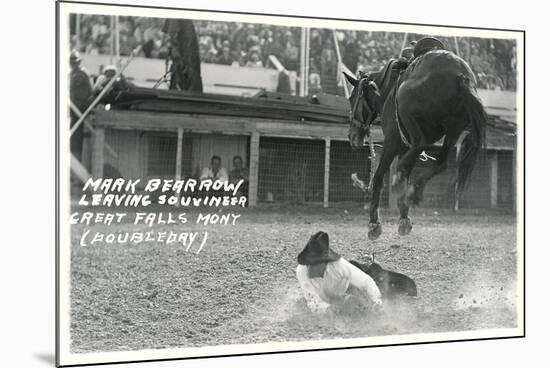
x=390 y=283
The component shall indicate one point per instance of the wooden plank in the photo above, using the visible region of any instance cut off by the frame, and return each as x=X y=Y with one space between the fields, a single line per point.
x=254 y=109
x=141 y=95
x=493 y=178
x=98 y=155
x=294 y=136
x=79 y=170
x=141 y=120
x=326 y=183
x=254 y=161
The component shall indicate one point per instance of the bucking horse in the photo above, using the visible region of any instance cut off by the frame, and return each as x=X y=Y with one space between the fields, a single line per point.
x=431 y=97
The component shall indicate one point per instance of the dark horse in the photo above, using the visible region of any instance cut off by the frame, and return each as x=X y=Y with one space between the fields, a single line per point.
x=433 y=97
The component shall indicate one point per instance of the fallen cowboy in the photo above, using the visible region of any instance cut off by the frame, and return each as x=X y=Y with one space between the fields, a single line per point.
x=328 y=280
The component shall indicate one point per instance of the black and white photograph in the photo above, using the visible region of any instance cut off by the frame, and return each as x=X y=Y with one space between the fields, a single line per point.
x=234 y=183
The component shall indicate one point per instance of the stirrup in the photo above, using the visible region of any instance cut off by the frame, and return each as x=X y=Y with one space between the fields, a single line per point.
x=425 y=157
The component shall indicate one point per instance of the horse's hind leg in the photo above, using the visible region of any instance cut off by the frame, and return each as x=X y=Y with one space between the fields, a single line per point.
x=405 y=225
x=404 y=167
x=400 y=182
x=415 y=190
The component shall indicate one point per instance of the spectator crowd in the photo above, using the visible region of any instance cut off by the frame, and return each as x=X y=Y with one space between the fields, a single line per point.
x=247 y=44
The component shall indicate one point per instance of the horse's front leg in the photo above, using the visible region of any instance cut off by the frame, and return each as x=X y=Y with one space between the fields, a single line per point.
x=388 y=153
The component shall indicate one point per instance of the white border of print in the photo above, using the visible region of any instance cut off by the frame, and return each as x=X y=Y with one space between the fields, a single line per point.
x=65 y=357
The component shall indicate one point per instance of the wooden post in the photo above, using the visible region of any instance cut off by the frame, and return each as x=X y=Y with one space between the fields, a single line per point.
x=404 y=43
x=303 y=61
x=306 y=69
x=254 y=166
x=326 y=185
x=98 y=155
x=392 y=198
x=87 y=142
x=456 y=47
x=78 y=43
x=116 y=30
x=179 y=152
x=493 y=178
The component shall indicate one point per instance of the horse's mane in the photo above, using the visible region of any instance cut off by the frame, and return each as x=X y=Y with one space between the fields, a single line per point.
x=383 y=77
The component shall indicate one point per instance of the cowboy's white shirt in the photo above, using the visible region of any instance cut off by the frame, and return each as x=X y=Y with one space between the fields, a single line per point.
x=331 y=289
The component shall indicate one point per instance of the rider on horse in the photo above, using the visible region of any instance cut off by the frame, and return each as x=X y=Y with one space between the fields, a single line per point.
x=408 y=54
x=418 y=48
x=430 y=97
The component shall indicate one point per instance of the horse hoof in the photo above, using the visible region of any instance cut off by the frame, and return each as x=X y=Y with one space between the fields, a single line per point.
x=375 y=230
x=405 y=226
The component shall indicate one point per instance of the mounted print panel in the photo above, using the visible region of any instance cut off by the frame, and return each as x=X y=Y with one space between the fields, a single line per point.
x=233 y=184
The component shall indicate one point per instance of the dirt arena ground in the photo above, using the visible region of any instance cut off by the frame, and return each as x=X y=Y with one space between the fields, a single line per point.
x=241 y=288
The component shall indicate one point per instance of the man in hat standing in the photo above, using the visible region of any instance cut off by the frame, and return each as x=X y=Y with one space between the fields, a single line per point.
x=327 y=279
x=105 y=77
x=119 y=85
x=81 y=94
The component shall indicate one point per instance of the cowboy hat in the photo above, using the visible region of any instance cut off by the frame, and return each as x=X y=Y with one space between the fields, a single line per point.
x=110 y=68
x=426 y=44
x=317 y=250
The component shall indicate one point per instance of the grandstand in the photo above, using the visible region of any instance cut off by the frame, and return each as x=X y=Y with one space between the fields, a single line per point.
x=245 y=44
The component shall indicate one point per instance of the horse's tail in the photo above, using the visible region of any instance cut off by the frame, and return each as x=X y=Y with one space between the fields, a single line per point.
x=474 y=140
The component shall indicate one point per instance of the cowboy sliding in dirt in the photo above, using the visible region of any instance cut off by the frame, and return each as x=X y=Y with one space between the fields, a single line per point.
x=328 y=280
